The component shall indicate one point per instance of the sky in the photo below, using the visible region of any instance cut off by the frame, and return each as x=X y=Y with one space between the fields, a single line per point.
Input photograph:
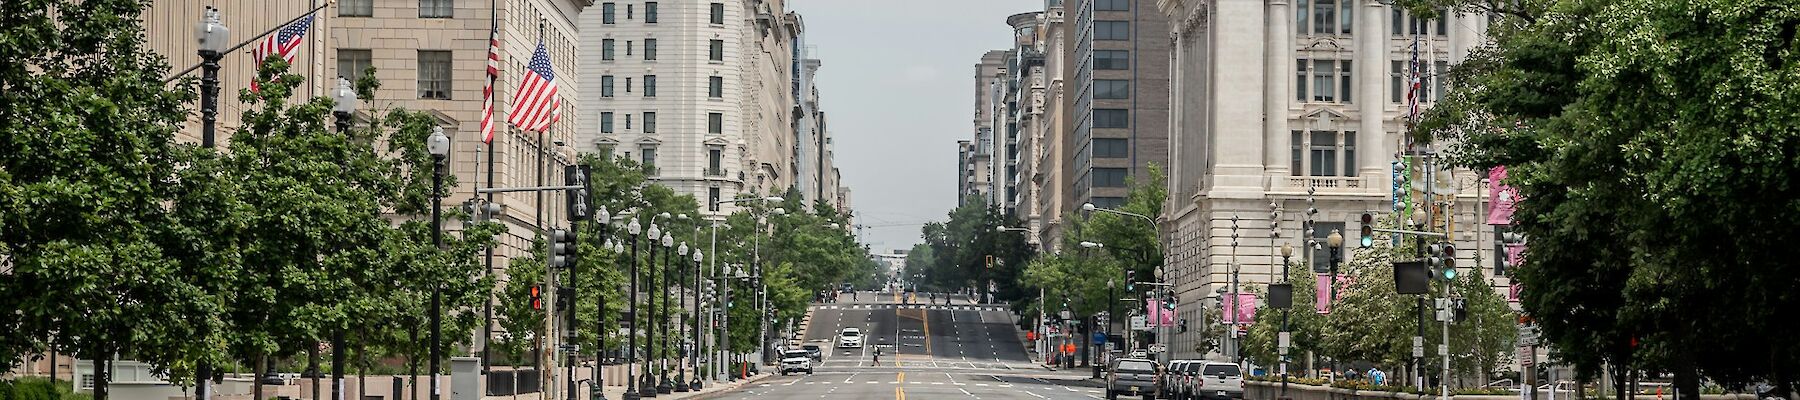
x=897 y=84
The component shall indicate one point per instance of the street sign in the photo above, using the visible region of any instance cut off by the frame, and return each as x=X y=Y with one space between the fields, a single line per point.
x=1139 y=323
x=1527 y=356
x=1099 y=338
x=1158 y=348
x=1418 y=347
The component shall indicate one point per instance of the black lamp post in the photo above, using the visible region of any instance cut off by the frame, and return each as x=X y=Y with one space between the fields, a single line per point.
x=631 y=390
x=1336 y=242
x=1287 y=250
x=680 y=351
x=594 y=386
x=664 y=386
x=694 y=353
x=647 y=388
x=439 y=146
x=214 y=39
x=343 y=110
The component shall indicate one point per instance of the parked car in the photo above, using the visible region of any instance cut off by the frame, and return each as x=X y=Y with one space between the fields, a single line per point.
x=850 y=338
x=1182 y=376
x=1219 y=381
x=814 y=351
x=1133 y=376
x=796 y=361
x=1173 y=379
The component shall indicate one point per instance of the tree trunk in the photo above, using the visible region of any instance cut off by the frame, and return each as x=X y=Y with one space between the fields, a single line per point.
x=100 y=376
x=257 y=370
x=412 y=364
x=312 y=367
x=1687 y=383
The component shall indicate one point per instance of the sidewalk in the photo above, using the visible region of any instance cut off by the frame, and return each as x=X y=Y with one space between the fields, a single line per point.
x=710 y=389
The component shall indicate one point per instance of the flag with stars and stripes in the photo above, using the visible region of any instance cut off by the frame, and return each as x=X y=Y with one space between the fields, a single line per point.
x=285 y=42
x=487 y=92
x=535 y=105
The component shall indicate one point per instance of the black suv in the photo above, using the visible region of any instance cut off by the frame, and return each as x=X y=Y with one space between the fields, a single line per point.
x=1135 y=376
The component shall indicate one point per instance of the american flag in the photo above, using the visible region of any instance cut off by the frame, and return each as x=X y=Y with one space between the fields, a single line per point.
x=535 y=105
x=283 y=42
x=487 y=93
x=1412 y=89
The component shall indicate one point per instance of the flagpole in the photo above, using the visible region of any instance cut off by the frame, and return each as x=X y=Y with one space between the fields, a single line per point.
x=246 y=42
x=487 y=334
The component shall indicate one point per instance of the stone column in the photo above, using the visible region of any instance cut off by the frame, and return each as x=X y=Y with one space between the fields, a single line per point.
x=1240 y=32
x=1372 y=152
x=1279 y=60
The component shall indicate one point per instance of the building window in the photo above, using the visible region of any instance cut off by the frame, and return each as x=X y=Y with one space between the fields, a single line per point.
x=628 y=47
x=627 y=85
x=648 y=155
x=606 y=86
x=1112 y=30
x=606 y=49
x=1404 y=23
x=436 y=8
x=1318 y=153
x=715 y=87
x=715 y=161
x=606 y=152
x=1397 y=81
x=1112 y=118
x=649 y=85
x=649 y=49
x=1112 y=89
x=649 y=122
x=1330 y=81
x=356 y=8
x=1439 y=70
x=630 y=11
x=715 y=50
x=628 y=122
x=1112 y=59
x=715 y=123
x=718 y=13
x=608 y=13
x=352 y=63
x=1112 y=5
x=606 y=122
x=434 y=74
x=712 y=199
x=1110 y=177
x=650 y=12
x=1111 y=148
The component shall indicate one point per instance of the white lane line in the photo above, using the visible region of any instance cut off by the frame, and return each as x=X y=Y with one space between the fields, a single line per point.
x=1034 y=394
x=966 y=391
x=853 y=376
x=981 y=384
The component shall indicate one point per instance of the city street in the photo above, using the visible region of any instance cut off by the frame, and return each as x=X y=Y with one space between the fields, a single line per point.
x=961 y=350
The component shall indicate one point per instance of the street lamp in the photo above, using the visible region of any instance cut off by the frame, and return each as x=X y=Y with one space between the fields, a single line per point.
x=1287 y=250
x=1161 y=268
x=214 y=38
x=604 y=217
x=680 y=353
x=693 y=354
x=1336 y=242
x=345 y=106
x=439 y=146
x=662 y=322
x=647 y=388
x=631 y=389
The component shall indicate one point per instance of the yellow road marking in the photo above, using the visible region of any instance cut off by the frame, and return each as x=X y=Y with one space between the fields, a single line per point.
x=901 y=378
x=927 y=321
x=899 y=393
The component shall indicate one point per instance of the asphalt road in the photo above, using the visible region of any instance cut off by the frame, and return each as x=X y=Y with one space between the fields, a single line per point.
x=959 y=350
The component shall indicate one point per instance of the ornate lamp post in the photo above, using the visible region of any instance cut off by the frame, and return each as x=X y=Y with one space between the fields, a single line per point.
x=647 y=388
x=664 y=386
x=680 y=351
x=214 y=38
x=631 y=389
x=694 y=354
x=439 y=146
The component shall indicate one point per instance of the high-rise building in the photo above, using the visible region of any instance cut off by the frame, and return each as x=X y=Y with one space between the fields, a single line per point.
x=1276 y=98
x=715 y=98
x=1051 y=169
x=1019 y=122
x=1118 y=78
x=988 y=73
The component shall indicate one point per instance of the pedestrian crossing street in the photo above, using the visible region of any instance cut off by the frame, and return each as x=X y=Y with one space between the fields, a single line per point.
x=940 y=307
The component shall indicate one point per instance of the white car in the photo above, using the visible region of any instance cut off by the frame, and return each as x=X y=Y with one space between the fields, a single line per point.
x=796 y=361
x=850 y=338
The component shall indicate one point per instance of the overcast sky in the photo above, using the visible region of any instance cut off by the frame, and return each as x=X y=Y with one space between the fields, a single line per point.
x=897 y=85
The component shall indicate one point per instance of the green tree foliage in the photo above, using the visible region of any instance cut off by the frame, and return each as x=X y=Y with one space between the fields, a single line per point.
x=94 y=261
x=1080 y=274
x=961 y=246
x=1305 y=325
x=1652 y=144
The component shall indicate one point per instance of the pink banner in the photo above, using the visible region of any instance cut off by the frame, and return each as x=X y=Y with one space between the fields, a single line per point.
x=1515 y=255
x=1244 y=303
x=1501 y=198
x=1512 y=292
x=1323 y=291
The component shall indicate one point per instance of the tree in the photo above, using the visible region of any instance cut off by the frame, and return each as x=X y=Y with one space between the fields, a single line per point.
x=1651 y=144
x=1305 y=325
x=89 y=179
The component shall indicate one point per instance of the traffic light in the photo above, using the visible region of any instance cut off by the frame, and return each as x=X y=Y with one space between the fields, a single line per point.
x=1183 y=326
x=580 y=202
x=1509 y=251
x=1443 y=260
x=562 y=248
x=537 y=297
x=1130 y=281
x=1459 y=309
x=565 y=298
x=1168 y=300
x=1368 y=230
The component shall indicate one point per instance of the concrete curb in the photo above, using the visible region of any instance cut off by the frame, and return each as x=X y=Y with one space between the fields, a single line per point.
x=728 y=388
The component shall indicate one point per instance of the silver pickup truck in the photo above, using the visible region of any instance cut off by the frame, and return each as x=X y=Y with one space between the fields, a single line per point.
x=1133 y=376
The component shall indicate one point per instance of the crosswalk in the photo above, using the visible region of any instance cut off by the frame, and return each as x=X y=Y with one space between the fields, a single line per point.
x=909 y=307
